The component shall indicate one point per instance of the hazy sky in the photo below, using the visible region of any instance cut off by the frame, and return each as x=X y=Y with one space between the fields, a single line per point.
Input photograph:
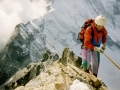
x=13 y=12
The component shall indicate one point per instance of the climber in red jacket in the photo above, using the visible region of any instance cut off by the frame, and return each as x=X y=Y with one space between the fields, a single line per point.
x=91 y=51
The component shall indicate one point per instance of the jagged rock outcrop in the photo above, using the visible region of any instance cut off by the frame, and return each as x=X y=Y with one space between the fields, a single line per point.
x=53 y=73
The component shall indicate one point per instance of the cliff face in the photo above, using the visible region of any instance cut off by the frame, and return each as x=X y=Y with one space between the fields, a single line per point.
x=24 y=47
x=54 y=73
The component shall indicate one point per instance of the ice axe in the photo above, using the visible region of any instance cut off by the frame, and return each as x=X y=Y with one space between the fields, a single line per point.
x=111 y=60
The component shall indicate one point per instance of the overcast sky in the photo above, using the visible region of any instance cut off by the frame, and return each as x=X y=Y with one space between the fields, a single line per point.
x=13 y=12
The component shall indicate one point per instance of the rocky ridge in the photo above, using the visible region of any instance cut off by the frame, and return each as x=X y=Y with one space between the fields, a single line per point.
x=53 y=73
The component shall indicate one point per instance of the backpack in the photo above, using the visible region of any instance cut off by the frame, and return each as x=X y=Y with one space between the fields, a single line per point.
x=83 y=28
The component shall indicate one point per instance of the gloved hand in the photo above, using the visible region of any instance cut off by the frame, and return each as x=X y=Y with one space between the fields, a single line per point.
x=100 y=50
x=103 y=46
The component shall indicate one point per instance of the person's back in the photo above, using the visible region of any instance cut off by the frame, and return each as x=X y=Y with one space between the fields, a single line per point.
x=92 y=44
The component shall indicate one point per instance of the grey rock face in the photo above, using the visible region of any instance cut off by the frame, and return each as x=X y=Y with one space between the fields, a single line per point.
x=25 y=46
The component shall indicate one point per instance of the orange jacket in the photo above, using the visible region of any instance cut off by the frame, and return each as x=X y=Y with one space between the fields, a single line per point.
x=92 y=40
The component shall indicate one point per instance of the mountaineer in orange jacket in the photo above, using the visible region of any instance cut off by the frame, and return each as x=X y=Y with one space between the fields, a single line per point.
x=94 y=36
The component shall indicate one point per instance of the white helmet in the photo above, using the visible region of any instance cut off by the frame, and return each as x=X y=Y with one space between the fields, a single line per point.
x=100 y=20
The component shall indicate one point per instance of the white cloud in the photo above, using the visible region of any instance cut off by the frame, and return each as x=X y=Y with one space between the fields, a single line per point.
x=13 y=12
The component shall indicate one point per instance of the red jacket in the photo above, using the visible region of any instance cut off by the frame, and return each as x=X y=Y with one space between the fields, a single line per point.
x=92 y=40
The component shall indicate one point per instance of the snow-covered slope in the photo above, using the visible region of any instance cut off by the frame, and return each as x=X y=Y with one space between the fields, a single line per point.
x=63 y=24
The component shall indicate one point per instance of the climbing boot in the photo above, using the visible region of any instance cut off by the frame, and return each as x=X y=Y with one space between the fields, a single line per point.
x=95 y=75
x=87 y=71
